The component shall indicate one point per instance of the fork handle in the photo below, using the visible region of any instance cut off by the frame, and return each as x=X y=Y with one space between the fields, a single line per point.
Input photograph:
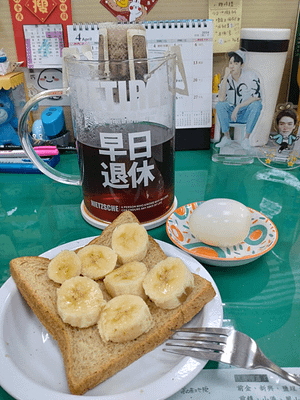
x=263 y=362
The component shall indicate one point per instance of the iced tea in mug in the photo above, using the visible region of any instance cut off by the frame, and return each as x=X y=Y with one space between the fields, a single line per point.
x=138 y=177
x=125 y=131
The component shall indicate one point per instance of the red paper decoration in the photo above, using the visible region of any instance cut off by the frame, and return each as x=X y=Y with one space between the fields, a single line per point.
x=129 y=11
x=35 y=12
x=41 y=8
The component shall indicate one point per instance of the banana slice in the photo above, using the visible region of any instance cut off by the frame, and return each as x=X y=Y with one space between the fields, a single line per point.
x=80 y=301
x=127 y=279
x=97 y=261
x=64 y=266
x=169 y=283
x=130 y=242
x=124 y=318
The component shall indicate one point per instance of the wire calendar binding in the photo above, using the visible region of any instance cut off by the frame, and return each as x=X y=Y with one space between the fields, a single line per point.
x=195 y=39
x=177 y=23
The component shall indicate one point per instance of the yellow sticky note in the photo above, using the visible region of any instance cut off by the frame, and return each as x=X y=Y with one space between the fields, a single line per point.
x=227 y=18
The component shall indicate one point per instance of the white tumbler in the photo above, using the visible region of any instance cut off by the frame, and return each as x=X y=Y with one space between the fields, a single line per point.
x=266 y=54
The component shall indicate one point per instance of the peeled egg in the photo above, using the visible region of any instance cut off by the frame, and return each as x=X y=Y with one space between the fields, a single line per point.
x=220 y=222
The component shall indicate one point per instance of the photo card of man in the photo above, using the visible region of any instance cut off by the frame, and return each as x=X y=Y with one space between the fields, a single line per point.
x=238 y=109
x=252 y=87
x=283 y=148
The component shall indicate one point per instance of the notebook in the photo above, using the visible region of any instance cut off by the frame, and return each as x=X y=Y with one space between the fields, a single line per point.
x=195 y=38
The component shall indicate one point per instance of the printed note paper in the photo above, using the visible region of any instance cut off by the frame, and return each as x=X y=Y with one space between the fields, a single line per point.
x=227 y=17
x=238 y=384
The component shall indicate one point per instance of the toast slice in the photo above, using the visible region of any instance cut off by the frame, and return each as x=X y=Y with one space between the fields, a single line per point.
x=87 y=359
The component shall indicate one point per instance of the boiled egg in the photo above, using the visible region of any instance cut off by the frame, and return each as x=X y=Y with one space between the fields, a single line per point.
x=220 y=222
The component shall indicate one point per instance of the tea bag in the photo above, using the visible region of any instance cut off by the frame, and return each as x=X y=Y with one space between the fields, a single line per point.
x=123 y=42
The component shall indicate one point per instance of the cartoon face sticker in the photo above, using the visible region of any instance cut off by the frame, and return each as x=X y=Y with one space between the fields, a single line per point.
x=50 y=78
x=129 y=10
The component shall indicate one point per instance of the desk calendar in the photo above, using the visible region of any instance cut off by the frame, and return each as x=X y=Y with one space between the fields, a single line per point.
x=195 y=39
x=80 y=34
x=44 y=44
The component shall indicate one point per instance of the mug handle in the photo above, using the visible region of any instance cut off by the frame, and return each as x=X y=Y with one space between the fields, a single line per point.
x=27 y=146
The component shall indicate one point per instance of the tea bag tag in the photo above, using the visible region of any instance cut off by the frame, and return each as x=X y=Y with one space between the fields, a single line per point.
x=173 y=50
x=179 y=63
x=68 y=52
x=86 y=50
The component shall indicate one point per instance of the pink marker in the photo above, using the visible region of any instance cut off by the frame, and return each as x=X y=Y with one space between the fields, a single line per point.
x=42 y=151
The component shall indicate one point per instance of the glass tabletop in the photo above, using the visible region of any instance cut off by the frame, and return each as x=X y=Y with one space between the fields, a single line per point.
x=260 y=298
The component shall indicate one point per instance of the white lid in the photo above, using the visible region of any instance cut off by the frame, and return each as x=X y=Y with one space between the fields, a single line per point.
x=265 y=34
x=100 y=224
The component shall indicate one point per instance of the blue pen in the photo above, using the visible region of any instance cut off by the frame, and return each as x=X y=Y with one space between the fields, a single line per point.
x=25 y=165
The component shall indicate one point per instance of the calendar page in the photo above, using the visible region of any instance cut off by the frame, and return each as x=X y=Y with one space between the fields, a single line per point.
x=80 y=34
x=195 y=39
x=44 y=44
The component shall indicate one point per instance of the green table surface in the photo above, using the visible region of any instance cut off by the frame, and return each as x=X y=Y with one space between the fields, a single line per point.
x=261 y=298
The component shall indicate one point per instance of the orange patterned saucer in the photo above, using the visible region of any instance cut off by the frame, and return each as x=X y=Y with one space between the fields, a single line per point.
x=262 y=237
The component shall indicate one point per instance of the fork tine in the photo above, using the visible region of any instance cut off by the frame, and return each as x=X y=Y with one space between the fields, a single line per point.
x=198 y=337
x=213 y=331
x=183 y=342
x=202 y=343
x=201 y=355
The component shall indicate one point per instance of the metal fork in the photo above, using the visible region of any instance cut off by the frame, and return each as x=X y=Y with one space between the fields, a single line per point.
x=225 y=345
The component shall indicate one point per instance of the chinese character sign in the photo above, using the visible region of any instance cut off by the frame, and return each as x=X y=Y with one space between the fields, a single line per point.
x=118 y=176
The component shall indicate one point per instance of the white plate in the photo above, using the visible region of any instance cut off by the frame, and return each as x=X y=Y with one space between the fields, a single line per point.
x=31 y=366
x=262 y=237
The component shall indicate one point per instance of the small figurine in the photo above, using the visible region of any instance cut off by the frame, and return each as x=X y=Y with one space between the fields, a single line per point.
x=38 y=132
x=5 y=65
x=286 y=122
x=8 y=121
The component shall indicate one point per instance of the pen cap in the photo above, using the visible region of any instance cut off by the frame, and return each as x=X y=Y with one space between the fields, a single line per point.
x=53 y=121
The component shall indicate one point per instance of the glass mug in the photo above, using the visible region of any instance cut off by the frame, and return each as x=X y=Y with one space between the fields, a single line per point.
x=123 y=115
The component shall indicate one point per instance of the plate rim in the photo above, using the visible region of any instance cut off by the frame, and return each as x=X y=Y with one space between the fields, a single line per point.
x=9 y=289
x=222 y=259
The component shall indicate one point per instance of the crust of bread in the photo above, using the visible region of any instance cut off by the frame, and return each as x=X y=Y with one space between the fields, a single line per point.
x=87 y=359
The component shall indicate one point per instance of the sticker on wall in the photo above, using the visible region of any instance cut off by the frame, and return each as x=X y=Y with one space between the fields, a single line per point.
x=129 y=11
